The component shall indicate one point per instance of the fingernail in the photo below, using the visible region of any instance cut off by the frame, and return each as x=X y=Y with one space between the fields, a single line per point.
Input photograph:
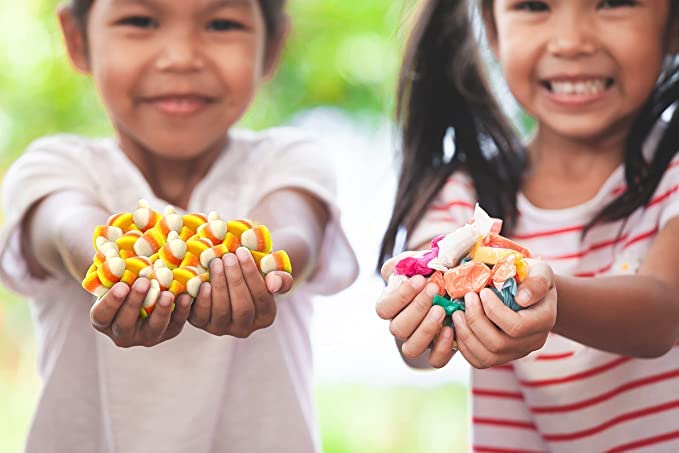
x=119 y=291
x=230 y=259
x=417 y=282
x=217 y=266
x=276 y=284
x=436 y=313
x=394 y=282
x=523 y=296
x=165 y=302
x=243 y=254
x=431 y=290
x=447 y=333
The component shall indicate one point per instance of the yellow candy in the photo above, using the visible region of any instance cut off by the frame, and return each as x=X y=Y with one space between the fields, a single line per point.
x=257 y=239
x=174 y=251
x=109 y=233
x=144 y=217
x=150 y=242
x=276 y=261
x=137 y=263
x=111 y=271
x=193 y=221
x=193 y=285
x=177 y=288
x=128 y=278
x=171 y=221
x=124 y=221
x=521 y=269
x=213 y=252
x=238 y=227
x=491 y=255
x=151 y=299
x=231 y=242
x=214 y=229
x=197 y=245
x=93 y=285
x=184 y=274
x=127 y=240
x=186 y=233
x=190 y=260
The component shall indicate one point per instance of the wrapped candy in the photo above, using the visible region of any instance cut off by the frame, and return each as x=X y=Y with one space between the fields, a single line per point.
x=469 y=259
x=173 y=251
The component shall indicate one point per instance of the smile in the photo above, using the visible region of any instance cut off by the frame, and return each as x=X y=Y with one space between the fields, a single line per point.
x=180 y=105
x=581 y=87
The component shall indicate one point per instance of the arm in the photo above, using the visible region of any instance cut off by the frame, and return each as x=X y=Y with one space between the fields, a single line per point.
x=636 y=315
x=58 y=235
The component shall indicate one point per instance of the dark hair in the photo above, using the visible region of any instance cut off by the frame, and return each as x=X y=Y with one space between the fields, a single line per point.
x=442 y=86
x=273 y=11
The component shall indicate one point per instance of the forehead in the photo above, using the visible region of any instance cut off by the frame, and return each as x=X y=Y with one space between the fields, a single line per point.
x=183 y=5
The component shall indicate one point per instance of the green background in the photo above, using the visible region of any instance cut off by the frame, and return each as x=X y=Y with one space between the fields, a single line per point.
x=341 y=53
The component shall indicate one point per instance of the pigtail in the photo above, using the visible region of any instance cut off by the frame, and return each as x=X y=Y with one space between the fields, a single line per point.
x=643 y=177
x=442 y=88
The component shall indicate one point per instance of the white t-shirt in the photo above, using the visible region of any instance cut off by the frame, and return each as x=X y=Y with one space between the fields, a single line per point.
x=197 y=392
x=568 y=397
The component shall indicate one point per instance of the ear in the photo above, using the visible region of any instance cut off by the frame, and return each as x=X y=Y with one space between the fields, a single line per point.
x=491 y=28
x=74 y=38
x=274 y=48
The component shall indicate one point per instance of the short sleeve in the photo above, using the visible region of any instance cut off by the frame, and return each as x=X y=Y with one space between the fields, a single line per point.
x=291 y=159
x=450 y=209
x=668 y=189
x=49 y=165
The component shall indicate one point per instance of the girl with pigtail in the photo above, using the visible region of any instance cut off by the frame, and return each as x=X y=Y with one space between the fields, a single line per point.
x=594 y=193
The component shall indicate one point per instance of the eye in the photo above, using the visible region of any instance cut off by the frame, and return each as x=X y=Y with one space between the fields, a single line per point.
x=224 y=25
x=610 y=4
x=534 y=6
x=138 y=22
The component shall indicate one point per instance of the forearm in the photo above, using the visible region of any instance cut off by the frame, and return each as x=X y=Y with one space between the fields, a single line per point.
x=630 y=315
x=59 y=234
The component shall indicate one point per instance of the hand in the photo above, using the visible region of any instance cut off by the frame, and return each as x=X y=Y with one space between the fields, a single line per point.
x=407 y=303
x=489 y=333
x=237 y=300
x=117 y=315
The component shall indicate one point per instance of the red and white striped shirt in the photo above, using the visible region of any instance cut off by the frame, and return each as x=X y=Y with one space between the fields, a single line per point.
x=567 y=396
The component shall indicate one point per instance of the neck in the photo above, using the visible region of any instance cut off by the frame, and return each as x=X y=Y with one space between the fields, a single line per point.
x=171 y=180
x=575 y=158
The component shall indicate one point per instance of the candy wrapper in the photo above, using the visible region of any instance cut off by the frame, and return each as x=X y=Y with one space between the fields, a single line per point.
x=173 y=251
x=469 y=259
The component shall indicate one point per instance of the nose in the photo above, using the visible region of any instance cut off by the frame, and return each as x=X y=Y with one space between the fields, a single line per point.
x=572 y=37
x=180 y=52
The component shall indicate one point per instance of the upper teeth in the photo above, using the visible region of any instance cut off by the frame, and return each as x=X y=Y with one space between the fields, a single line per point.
x=593 y=86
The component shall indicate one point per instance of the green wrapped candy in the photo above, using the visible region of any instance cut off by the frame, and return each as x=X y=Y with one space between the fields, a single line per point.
x=507 y=294
x=450 y=306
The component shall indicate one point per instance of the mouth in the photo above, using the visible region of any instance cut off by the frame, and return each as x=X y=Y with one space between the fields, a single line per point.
x=180 y=104
x=578 y=87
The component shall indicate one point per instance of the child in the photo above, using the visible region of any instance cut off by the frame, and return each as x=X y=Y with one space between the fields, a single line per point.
x=174 y=77
x=595 y=194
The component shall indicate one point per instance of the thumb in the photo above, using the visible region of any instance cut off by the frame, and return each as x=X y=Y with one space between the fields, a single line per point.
x=278 y=282
x=537 y=284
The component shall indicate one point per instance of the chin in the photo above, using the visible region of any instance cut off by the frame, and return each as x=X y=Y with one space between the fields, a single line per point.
x=178 y=147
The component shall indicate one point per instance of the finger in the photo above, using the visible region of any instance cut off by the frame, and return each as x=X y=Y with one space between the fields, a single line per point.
x=153 y=330
x=443 y=349
x=537 y=319
x=479 y=355
x=220 y=310
x=405 y=323
x=201 y=307
x=398 y=294
x=181 y=312
x=390 y=264
x=104 y=310
x=263 y=302
x=278 y=282
x=242 y=306
x=539 y=281
x=423 y=336
x=462 y=345
x=125 y=322
x=477 y=320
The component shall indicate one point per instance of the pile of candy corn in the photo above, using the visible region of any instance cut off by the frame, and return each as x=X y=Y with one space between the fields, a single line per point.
x=173 y=251
x=469 y=259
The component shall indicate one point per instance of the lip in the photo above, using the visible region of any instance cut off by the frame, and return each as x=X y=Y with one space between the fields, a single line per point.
x=572 y=99
x=179 y=104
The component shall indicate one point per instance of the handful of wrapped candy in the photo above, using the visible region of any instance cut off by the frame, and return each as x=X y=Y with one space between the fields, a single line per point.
x=469 y=259
x=173 y=251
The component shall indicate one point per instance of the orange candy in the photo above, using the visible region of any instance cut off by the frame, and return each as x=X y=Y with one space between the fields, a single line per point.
x=438 y=280
x=257 y=239
x=276 y=261
x=468 y=277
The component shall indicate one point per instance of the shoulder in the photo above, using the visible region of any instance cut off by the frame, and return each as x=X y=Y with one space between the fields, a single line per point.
x=65 y=149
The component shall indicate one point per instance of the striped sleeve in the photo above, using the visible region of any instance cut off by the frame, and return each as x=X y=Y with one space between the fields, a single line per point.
x=450 y=209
